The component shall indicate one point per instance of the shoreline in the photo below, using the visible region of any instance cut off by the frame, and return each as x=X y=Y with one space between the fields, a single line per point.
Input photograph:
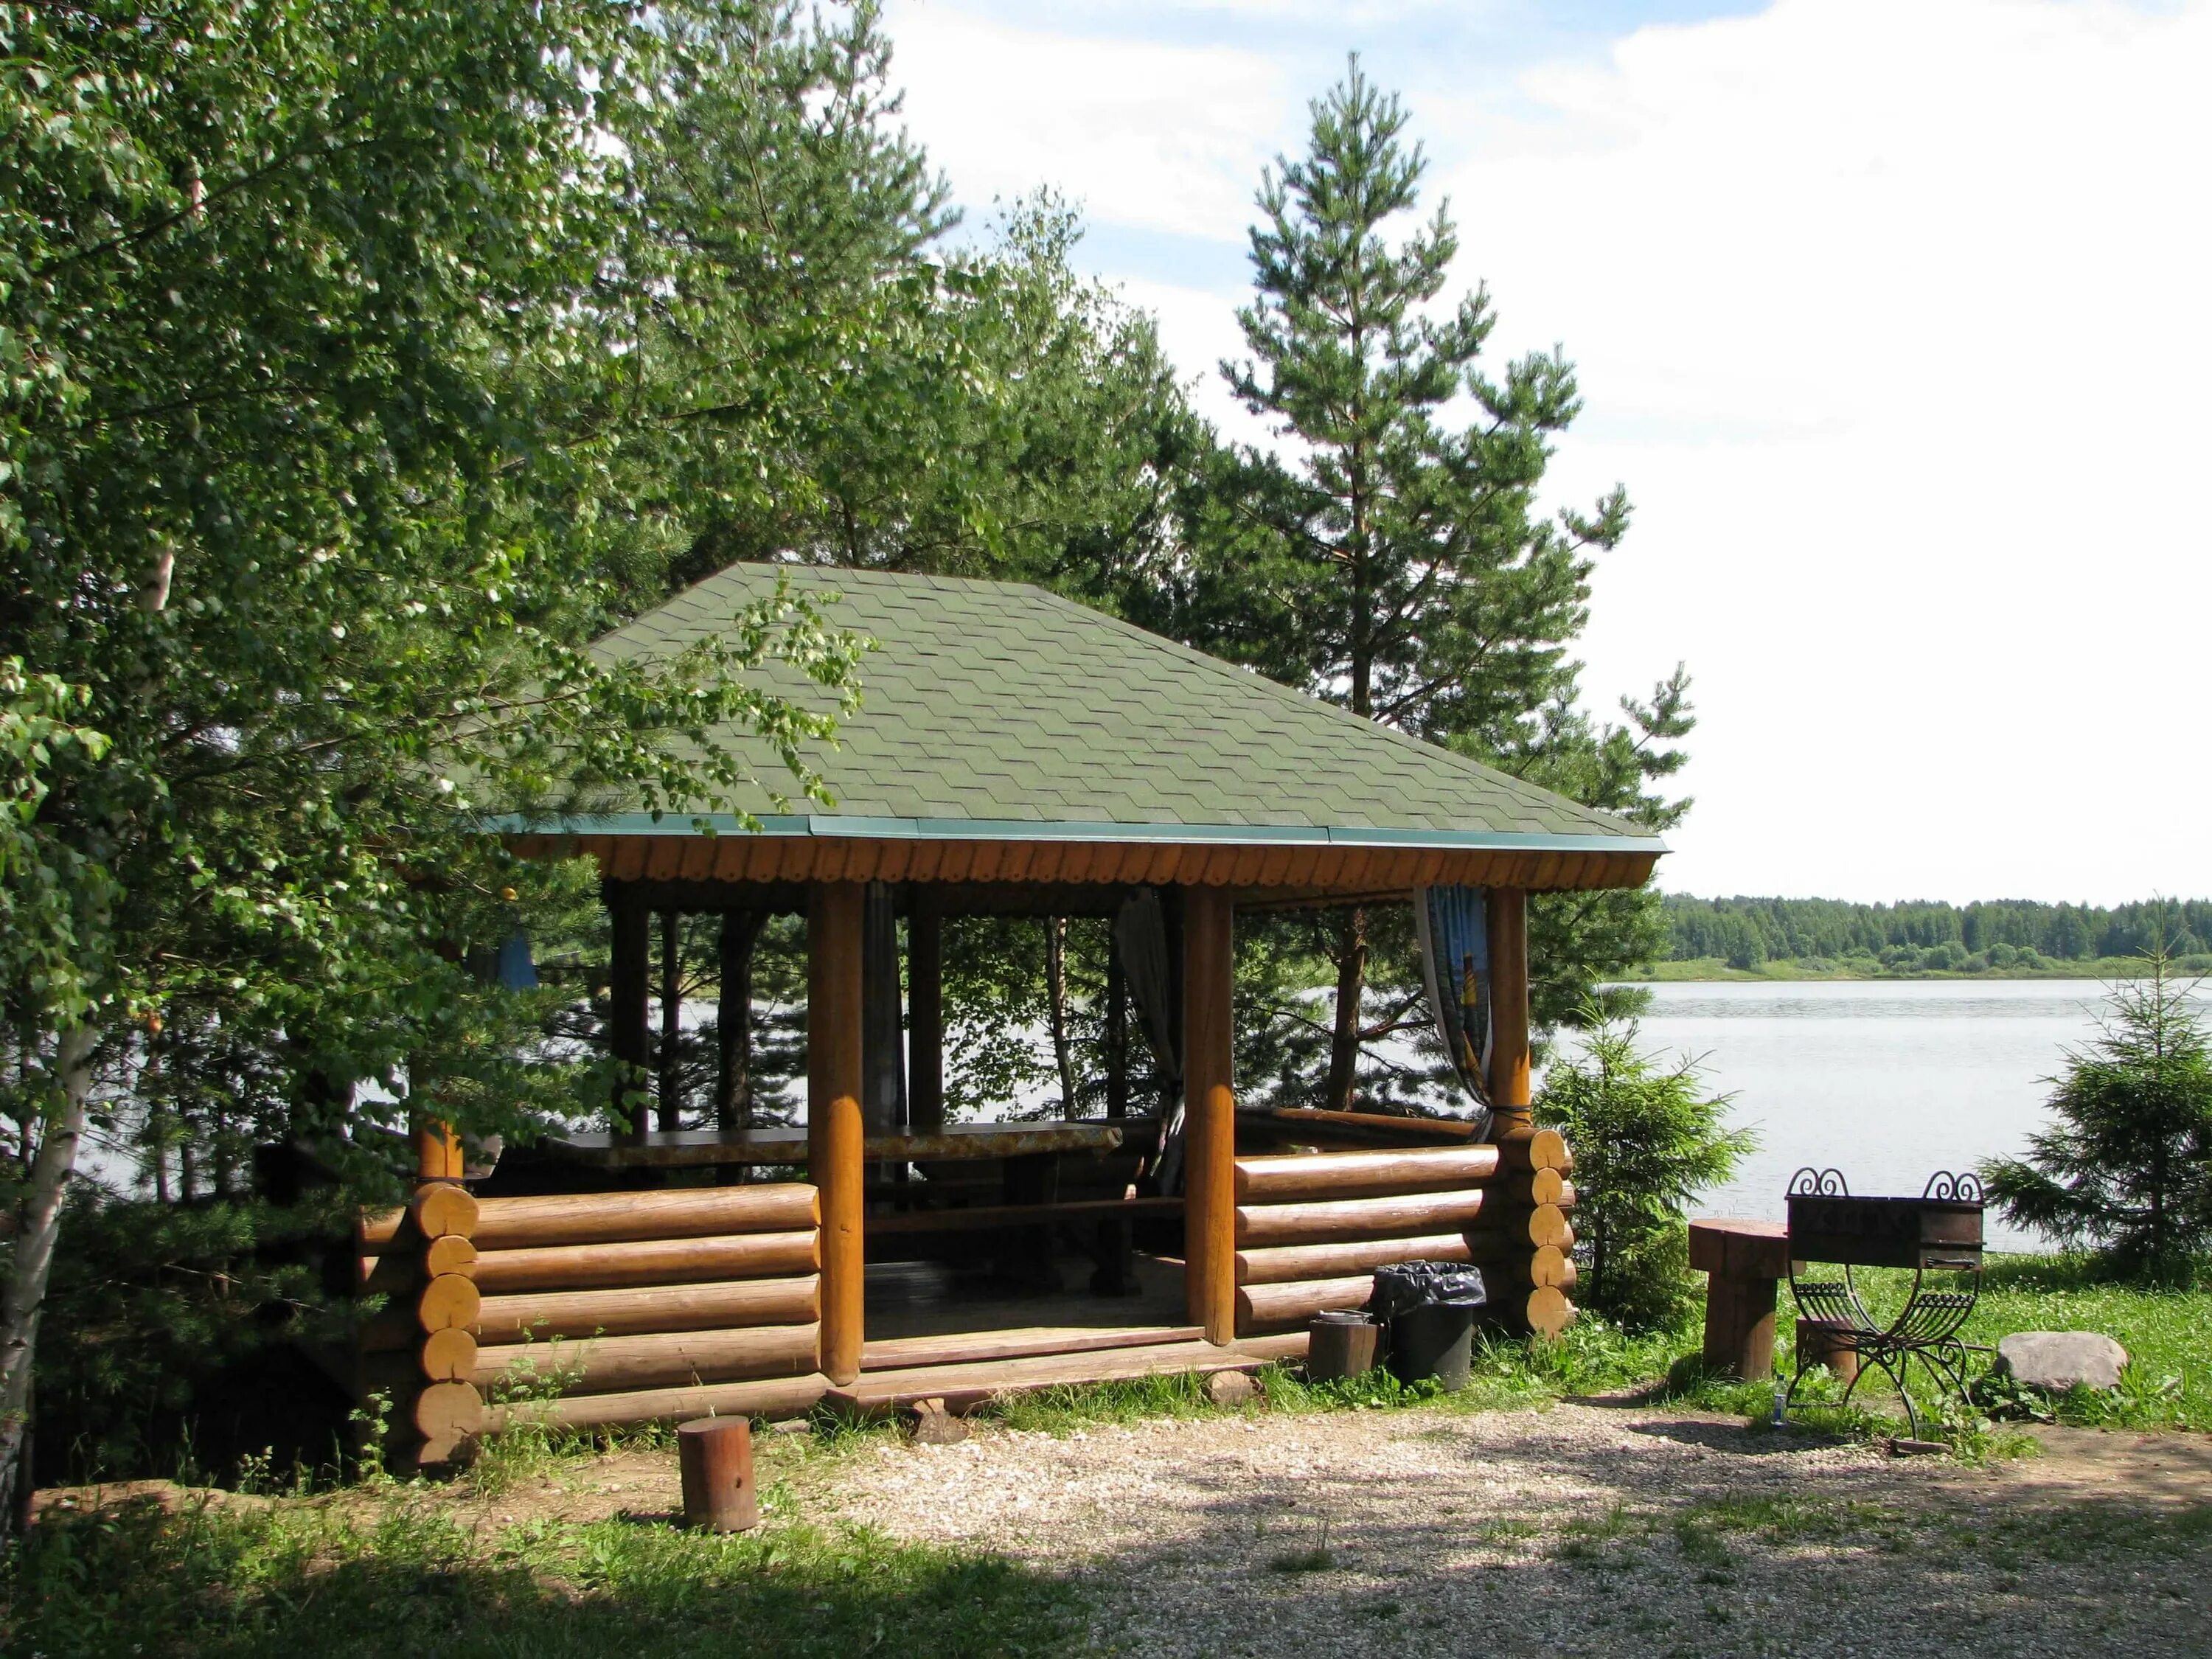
x=1713 y=970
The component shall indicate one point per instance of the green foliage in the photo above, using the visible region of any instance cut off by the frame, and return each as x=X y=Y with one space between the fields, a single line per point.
x=2127 y=1167
x=1647 y=1140
x=326 y=312
x=55 y=893
x=256 y=1582
x=152 y=1304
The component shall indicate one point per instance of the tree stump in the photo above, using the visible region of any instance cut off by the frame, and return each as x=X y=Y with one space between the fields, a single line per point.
x=716 y=1457
x=1824 y=1342
x=1339 y=1344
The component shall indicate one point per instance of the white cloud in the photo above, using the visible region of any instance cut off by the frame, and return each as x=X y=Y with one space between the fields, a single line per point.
x=1166 y=137
x=1198 y=330
x=1890 y=315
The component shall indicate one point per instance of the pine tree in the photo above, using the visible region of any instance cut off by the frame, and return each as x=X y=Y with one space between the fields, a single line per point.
x=1400 y=567
x=2128 y=1168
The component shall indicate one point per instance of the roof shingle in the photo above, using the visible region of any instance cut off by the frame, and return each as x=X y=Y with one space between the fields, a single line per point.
x=999 y=704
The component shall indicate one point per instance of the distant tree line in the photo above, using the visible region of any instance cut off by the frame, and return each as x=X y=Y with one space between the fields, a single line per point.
x=1745 y=932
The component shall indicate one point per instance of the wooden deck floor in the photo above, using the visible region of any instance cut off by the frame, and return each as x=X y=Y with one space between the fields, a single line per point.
x=917 y=1299
x=962 y=1338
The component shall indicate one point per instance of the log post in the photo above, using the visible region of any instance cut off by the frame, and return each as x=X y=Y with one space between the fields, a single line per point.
x=438 y=1155
x=436 y=1398
x=1508 y=910
x=716 y=1455
x=733 y=1020
x=630 y=996
x=1542 y=1308
x=1210 y=1114
x=835 y=1136
x=925 y=1030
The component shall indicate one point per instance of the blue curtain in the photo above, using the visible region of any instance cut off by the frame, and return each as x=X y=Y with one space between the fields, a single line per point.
x=1453 y=925
x=515 y=971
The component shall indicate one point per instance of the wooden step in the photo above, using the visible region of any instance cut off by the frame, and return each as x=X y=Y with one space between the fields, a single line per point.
x=964 y=1388
x=1022 y=1342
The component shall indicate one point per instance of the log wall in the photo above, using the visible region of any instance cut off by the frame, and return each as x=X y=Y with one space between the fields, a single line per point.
x=589 y=1307
x=1312 y=1228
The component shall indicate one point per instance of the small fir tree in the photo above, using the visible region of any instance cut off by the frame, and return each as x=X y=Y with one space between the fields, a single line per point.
x=1647 y=1140
x=2128 y=1168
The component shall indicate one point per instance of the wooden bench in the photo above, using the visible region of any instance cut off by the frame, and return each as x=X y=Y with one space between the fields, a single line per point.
x=1746 y=1261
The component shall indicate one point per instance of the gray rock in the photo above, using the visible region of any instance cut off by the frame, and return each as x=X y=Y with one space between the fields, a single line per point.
x=935 y=1426
x=2055 y=1361
x=1231 y=1388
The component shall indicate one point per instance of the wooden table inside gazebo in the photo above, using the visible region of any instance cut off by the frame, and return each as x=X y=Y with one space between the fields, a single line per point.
x=705 y=1149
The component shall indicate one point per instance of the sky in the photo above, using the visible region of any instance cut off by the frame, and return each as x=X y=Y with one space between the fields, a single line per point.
x=1890 y=315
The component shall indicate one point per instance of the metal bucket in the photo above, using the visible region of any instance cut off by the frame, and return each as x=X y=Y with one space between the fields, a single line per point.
x=1340 y=1344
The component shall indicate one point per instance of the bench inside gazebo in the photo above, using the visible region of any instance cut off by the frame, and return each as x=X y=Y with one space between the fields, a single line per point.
x=1016 y=755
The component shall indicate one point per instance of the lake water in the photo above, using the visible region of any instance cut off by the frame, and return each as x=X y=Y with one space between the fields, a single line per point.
x=1887 y=1082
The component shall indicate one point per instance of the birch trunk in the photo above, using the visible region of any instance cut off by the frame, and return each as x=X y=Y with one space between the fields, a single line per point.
x=41 y=1225
x=1056 y=979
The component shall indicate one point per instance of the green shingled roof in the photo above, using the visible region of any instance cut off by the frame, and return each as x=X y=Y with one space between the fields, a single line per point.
x=994 y=709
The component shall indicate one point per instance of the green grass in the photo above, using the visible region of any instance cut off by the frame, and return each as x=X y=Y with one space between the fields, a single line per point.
x=1313 y=1557
x=1068 y=1406
x=402 y=1577
x=2167 y=1334
x=385 y=1568
x=2166 y=1331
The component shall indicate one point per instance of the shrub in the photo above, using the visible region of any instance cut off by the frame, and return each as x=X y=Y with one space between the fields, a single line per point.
x=2128 y=1169
x=1647 y=1138
x=166 y=1327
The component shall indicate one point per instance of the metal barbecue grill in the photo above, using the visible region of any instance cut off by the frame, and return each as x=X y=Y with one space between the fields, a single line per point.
x=1936 y=1237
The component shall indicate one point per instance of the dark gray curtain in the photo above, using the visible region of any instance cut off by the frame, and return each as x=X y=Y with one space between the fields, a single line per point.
x=882 y=1051
x=1140 y=932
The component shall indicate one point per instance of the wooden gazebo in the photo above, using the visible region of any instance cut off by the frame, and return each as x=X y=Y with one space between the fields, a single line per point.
x=1016 y=754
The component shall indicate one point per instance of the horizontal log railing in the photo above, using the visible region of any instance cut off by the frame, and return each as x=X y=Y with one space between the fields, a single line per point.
x=649 y=1262
x=591 y=1308
x=636 y=1312
x=602 y=1364
x=1312 y=1228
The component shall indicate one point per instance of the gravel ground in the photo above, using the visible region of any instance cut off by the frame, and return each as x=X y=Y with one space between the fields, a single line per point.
x=1584 y=1529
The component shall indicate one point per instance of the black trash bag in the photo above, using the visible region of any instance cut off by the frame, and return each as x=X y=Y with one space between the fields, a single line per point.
x=1403 y=1286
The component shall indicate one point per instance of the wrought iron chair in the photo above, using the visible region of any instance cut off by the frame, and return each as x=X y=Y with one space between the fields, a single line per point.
x=1938 y=1232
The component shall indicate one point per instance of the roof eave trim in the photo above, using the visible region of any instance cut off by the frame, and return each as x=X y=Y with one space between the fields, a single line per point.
x=878 y=828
